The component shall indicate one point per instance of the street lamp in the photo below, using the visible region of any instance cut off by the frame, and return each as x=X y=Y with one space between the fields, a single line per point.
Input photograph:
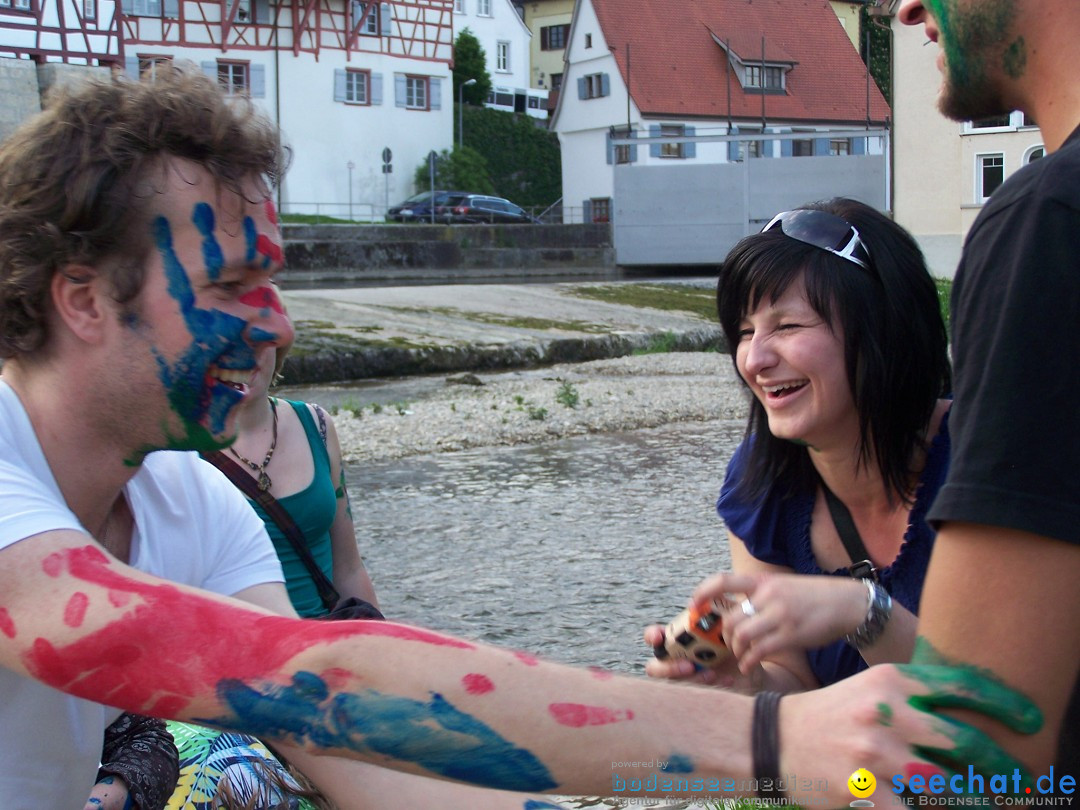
x=460 y=106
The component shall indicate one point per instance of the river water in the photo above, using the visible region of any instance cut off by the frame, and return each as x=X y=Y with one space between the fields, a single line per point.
x=566 y=549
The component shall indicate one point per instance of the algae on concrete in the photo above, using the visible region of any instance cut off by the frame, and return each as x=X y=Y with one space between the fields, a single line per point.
x=700 y=301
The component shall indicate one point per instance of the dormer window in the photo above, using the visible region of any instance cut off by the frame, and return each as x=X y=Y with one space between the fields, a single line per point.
x=763 y=77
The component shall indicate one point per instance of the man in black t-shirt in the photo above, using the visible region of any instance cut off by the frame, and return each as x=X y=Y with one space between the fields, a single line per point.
x=1002 y=591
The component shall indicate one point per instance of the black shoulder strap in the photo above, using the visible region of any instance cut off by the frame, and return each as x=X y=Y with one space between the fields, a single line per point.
x=861 y=565
x=246 y=484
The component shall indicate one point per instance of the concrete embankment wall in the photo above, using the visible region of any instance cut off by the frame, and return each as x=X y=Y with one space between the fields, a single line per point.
x=340 y=254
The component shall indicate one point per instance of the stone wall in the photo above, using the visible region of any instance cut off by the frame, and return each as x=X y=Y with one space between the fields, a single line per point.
x=331 y=254
x=19 y=94
x=24 y=84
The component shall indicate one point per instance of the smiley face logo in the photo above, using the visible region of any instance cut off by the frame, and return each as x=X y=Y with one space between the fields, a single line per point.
x=862 y=783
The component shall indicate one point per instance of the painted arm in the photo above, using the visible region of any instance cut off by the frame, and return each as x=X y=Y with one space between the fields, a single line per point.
x=428 y=703
x=1006 y=601
x=350 y=576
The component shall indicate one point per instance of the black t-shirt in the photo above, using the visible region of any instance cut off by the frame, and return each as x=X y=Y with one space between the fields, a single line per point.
x=1016 y=343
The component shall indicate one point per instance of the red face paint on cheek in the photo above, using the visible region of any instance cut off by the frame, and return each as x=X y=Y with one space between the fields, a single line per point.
x=268 y=248
x=264 y=297
x=7 y=624
x=75 y=611
x=271 y=211
x=923 y=769
x=477 y=684
x=578 y=715
x=117 y=599
x=600 y=674
x=122 y=662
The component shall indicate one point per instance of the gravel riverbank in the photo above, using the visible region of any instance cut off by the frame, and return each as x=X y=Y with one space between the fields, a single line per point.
x=619 y=394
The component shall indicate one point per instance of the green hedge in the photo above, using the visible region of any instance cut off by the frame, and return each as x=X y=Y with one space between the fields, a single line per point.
x=523 y=159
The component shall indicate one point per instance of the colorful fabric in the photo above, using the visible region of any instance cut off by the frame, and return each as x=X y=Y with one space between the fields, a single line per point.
x=208 y=757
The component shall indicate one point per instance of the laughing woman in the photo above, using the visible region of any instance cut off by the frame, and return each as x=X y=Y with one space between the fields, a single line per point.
x=833 y=324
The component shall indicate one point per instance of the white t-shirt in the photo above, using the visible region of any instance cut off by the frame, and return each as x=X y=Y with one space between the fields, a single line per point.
x=191 y=526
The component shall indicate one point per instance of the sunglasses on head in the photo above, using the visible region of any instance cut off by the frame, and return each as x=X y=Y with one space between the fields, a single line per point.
x=825 y=231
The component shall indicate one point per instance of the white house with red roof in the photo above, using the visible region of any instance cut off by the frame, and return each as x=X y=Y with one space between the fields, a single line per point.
x=681 y=86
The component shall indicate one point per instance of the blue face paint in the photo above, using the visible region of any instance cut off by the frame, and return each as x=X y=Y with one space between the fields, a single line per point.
x=217 y=339
x=249 y=240
x=213 y=260
x=434 y=735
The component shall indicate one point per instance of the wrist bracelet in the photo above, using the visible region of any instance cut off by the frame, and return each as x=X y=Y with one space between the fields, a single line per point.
x=878 y=611
x=765 y=745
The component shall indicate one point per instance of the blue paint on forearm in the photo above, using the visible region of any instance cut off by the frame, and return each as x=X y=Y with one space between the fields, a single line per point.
x=433 y=734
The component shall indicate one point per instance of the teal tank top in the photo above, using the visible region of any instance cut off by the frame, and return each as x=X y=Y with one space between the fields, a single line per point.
x=313 y=510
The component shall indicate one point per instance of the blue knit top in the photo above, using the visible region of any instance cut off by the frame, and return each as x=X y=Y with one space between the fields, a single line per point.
x=777 y=531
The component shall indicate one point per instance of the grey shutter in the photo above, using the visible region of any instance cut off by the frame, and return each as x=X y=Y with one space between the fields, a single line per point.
x=376 y=88
x=131 y=67
x=399 y=90
x=262 y=11
x=654 y=148
x=586 y=211
x=610 y=149
x=339 y=85
x=605 y=84
x=127 y=6
x=210 y=69
x=581 y=91
x=858 y=146
x=787 y=148
x=733 y=146
x=386 y=16
x=821 y=146
x=172 y=9
x=257 y=77
x=435 y=93
x=544 y=38
x=689 y=148
x=633 y=148
x=766 y=145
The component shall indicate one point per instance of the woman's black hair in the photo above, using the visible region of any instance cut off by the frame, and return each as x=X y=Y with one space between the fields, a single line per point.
x=895 y=343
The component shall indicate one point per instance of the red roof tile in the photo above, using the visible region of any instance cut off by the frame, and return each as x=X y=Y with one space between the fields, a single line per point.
x=679 y=70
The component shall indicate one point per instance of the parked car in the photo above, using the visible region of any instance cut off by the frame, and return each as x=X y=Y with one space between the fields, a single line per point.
x=418 y=207
x=482 y=208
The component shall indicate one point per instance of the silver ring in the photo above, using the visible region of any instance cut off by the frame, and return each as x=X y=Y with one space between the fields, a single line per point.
x=747 y=607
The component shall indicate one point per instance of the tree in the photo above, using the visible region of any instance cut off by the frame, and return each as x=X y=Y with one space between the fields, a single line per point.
x=877 y=37
x=464 y=169
x=522 y=159
x=470 y=62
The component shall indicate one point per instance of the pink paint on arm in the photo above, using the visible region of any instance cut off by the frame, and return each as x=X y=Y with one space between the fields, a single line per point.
x=75 y=611
x=121 y=662
x=578 y=715
x=527 y=659
x=7 y=624
x=601 y=674
x=477 y=684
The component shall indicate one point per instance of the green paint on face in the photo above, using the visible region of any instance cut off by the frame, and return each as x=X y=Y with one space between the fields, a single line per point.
x=884 y=714
x=980 y=47
x=956 y=685
x=1016 y=58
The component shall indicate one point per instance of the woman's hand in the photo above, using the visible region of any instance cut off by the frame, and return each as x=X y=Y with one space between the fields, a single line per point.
x=724 y=672
x=767 y=614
